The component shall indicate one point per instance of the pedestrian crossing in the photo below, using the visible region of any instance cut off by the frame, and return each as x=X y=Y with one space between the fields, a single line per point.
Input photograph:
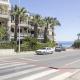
x=26 y=71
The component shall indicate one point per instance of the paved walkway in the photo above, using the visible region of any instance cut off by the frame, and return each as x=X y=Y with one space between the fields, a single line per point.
x=7 y=52
x=10 y=52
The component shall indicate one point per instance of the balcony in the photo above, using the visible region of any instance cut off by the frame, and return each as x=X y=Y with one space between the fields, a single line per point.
x=22 y=35
x=5 y=2
x=40 y=37
x=4 y=14
x=22 y=24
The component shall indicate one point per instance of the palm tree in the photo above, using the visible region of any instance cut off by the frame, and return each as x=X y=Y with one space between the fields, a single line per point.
x=50 y=22
x=54 y=22
x=18 y=13
x=78 y=36
x=47 y=21
x=36 y=21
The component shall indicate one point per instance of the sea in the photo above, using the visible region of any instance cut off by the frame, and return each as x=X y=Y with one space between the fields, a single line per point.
x=66 y=43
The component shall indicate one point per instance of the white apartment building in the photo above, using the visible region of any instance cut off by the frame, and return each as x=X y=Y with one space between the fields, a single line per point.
x=4 y=12
x=25 y=29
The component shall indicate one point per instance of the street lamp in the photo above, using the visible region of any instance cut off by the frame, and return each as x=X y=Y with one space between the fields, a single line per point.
x=19 y=29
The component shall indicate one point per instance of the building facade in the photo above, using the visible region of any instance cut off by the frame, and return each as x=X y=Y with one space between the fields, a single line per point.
x=8 y=21
x=4 y=12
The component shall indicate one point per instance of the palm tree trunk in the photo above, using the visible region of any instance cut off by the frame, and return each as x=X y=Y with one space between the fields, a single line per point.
x=78 y=37
x=45 y=34
x=53 y=32
x=35 y=31
x=16 y=27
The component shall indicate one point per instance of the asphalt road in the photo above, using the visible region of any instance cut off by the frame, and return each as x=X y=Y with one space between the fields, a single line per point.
x=56 y=66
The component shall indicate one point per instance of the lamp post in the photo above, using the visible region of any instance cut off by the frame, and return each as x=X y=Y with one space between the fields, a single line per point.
x=19 y=29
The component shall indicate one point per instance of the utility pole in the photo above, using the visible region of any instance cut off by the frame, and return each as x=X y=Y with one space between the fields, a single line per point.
x=19 y=29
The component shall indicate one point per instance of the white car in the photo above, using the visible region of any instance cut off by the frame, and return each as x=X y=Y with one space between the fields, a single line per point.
x=46 y=50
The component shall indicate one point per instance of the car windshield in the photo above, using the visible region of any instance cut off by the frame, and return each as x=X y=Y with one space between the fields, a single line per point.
x=58 y=47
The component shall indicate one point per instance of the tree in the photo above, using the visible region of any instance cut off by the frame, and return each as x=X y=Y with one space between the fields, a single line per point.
x=47 y=21
x=54 y=22
x=78 y=36
x=18 y=13
x=36 y=21
x=2 y=32
x=50 y=22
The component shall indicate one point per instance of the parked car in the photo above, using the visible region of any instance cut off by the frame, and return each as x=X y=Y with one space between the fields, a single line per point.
x=59 y=48
x=46 y=50
x=63 y=48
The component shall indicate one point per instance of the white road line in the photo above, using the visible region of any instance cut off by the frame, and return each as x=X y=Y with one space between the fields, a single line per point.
x=17 y=68
x=29 y=59
x=62 y=76
x=21 y=73
x=11 y=65
x=8 y=62
x=39 y=75
x=72 y=62
x=1 y=64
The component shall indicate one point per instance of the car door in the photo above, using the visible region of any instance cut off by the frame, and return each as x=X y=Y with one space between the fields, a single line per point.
x=48 y=50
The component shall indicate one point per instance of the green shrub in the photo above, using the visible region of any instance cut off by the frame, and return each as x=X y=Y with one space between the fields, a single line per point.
x=6 y=45
x=30 y=44
x=76 y=44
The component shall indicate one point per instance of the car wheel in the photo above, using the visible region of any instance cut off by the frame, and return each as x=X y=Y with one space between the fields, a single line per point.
x=52 y=52
x=45 y=53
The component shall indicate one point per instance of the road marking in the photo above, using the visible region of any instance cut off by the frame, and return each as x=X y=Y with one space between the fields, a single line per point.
x=21 y=73
x=10 y=65
x=73 y=62
x=39 y=75
x=63 y=76
x=16 y=68
x=29 y=59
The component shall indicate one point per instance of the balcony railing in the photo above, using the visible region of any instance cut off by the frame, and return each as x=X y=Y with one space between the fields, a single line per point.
x=4 y=15
x=4 y=2
x=3 y=12
x=21 y=24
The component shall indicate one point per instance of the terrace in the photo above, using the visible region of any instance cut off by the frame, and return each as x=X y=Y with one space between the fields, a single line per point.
x=4 y=11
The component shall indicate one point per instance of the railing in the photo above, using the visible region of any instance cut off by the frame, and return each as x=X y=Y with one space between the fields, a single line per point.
x=3 y=13
x=4 y=0
x=21 y=24
x=21 y=34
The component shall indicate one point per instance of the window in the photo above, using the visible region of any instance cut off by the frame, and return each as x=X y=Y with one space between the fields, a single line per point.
x=20 y=30
x=12 y=29
x=0 y=11
x=32 y=32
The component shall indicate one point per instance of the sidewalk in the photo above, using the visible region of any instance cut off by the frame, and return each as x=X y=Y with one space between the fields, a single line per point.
x=11 y=52
x=71 y=49
x=76 y=76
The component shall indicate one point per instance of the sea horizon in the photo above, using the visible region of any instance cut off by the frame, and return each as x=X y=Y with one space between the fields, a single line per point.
x=66 y=43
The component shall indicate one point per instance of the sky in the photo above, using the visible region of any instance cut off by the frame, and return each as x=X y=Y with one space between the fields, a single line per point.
x=66 y=11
